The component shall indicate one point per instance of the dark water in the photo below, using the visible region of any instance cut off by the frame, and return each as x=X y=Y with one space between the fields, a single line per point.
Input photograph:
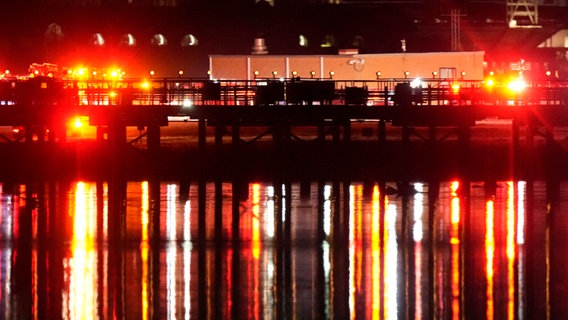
x=304 y=250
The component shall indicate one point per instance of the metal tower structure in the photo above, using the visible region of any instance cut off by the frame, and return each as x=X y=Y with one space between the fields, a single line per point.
x=522 y=13
x=456 y=29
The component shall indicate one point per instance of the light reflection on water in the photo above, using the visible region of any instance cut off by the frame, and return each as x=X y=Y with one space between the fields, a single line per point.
x=444 y=250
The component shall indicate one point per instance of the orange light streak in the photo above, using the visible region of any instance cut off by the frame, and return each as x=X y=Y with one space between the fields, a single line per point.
x=355 y=250
x=144 y=248
x=82 y=275
x=35 y=297
x=376 y=255
x=489 y=256
x=511 y=250
x=352 y=289
x=145 y=219
x=455 y=250
x=256 y=248
x=256 y=241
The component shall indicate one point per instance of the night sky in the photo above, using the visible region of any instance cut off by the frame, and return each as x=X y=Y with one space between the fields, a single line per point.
x=65 y=34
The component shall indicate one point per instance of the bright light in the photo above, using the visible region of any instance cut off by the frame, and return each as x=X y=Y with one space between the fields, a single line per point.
x=517 y=85
x=145 y=85
x=78 y=123
x=455 y=88
x=81 y=73
x=489 y=83
x=416 y=83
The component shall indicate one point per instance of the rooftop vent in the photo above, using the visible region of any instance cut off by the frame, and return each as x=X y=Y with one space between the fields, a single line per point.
x=259 y=46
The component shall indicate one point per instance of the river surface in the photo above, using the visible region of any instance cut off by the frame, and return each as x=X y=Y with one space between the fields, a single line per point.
x=157 y=249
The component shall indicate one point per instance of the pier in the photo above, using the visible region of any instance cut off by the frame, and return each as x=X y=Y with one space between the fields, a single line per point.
x=42 y=106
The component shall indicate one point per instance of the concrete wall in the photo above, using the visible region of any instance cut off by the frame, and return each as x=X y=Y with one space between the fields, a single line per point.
x=348 y=67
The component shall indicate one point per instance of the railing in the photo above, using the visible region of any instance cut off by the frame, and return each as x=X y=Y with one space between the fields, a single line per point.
x=277 y=92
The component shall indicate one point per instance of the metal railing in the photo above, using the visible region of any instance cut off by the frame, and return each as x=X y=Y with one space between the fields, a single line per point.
x=277 y=92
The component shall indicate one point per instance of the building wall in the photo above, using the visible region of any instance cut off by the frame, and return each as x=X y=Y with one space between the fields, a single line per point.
x=348 y=67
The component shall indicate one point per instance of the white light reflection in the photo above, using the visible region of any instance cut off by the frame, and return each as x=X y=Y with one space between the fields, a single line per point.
x=187 y=247
x=327 y=210
x=391 y=253
x=417 y=234
x=521 y=202
x=417 y=230
x=171 y=224
x=511 y=249
x=326 y=259
x=6 y=216
x=6 y=222
x=269 y=213
x=352 y=287
x=268 y=283
x=521 y=281
x=187 y=221
x=6 y=281
x=171 y=279
x=284 y=195
x=105 y=211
